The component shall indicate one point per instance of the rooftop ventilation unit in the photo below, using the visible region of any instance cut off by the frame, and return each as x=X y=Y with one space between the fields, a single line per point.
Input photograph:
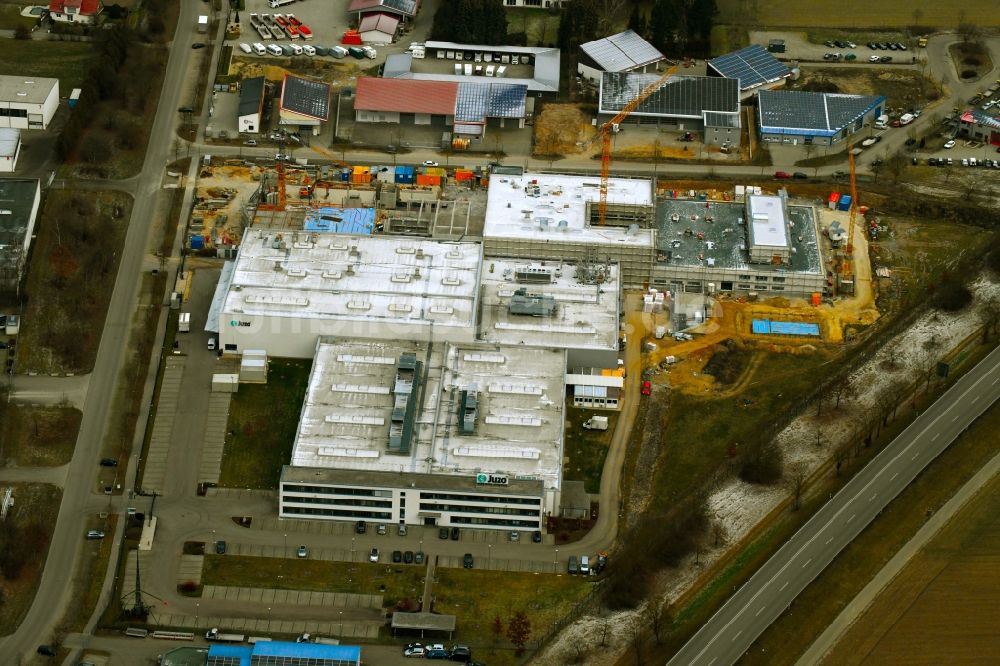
x=533 y=274
x=469 y=407
x=533 y=305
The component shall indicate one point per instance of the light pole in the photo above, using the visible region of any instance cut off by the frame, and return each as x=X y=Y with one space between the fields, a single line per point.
x=490 y=546
x=268 y=617
x=352 y=549
x=341 y=623
x=213 y=537
x=197 y=607
x=555 y=565
x=284 y=553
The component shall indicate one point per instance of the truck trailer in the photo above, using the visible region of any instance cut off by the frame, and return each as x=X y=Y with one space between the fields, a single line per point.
x=214 y=635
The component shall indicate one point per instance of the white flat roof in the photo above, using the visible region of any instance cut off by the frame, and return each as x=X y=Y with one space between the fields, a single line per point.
x=586 y=315
x=768 y=219
x=559 y=212
x=400 y=280
x=25 y=89
x=519 y=427
x=348 y=408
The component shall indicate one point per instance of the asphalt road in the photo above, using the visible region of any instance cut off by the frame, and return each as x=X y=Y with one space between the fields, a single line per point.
x=731 y=631
x=56 y=584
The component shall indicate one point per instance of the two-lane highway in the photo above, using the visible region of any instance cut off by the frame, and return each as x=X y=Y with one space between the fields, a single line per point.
x=724 y=638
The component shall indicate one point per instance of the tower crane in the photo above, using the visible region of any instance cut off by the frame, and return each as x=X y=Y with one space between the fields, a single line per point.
x=611 y=126
x=854 y=206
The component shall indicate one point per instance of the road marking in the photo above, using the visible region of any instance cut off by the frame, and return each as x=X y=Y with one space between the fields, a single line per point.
x=807 y=563
x=736 y=636
x=760 y=611
x=783 y=587
x=829 y=540
x=852 y=517
x=714 y=659
x=976 y=397
x=955 y=418
x=872 y=498
x=915 y=456
x=936 y=435
x=894 y=476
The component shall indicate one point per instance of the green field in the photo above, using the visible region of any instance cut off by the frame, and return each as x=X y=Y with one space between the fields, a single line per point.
x=263 y=419
x=36 y=436
x=585 y=450
x=857 y=14
x=66 y=61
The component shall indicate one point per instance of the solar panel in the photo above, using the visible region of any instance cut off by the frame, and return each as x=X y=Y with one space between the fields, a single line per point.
x=478 y=101
x=405 y=6
x=621 y=52
x=752 y=65
x=679 y=96
x=799 y=109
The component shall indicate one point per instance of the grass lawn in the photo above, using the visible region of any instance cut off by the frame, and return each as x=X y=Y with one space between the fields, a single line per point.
x=586 y=449
x=36 y=436
x=90 y=574
x=475 y=596
x=401 y=581
x=29 y=522
x=698 y=431
x=263 y=419
x=72 y=274
x=823 y=600
x=859 y=15
x=11 y=19
x=66 y=61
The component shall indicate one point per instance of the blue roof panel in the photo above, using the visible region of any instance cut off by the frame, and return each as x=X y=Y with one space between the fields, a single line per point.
x=307 y=651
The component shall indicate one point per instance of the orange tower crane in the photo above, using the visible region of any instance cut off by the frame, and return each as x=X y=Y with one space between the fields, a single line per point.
x=608 y=128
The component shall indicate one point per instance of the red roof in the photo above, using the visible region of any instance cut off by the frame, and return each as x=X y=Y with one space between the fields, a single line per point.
x=406 y=96
x=378 y=21
x=82 y=7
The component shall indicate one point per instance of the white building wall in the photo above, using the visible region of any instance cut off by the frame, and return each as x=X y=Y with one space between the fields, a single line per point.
x=250 y=123
x=37 y=116
x=377 y=116
x=376 y=37
x=590 y=73
x=295 y=337
x=9 y=162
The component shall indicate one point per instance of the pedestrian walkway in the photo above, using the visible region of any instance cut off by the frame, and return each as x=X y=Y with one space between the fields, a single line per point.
x=128 y=581
x=189 y=569
x=155 y=466
x=265 y=627
x=215 y=437
x=272 y=597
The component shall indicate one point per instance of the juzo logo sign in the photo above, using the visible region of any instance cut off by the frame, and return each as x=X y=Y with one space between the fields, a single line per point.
x=492 y=479
x=233 y=322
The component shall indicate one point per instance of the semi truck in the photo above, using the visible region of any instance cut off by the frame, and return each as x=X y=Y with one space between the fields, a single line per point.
x=215 y=635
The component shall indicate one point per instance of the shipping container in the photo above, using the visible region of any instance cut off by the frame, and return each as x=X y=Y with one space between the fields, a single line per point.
x=74 y=97
x=845 y=202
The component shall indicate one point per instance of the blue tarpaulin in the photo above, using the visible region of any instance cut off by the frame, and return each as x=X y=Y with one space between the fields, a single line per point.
x=354 y=221
x=768 y=327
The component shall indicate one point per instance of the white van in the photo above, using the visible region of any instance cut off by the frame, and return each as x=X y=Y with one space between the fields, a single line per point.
x=370 y=52
x=245 y=47
x=906 y=119
x=338 y=51
x=309 y=50
x=296 y=49
x=882 y=122
x=259 y=49
x=274 y=49
x=584 y=565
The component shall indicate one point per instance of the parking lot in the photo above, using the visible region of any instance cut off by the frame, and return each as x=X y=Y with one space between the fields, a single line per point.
x=797 y=47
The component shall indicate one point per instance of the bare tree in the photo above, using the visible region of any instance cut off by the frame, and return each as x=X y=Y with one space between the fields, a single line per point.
x=634 y=629
x=653 y=614
x=843 y=389
x=605 y=630
x=718 y=533
x=796 y=483
x=840 y=456
x=989 y=309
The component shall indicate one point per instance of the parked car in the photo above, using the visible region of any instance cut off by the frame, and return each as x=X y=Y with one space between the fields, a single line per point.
x=408 y=557
x=415 y=651
x=647 y=388
x=782 y=174
x=950 y=144
x=250 y=142
x=536 y=536
x=197 y=45
x=302 y=552
x=430 y=163
x=373 y=555
x=436 y=651
x=800 y=175
x=360 y=527
x=402 y=530
x=461 y=653
x=873 y=58
x=382 y=529
x=397 y=556
x=220 y=547
x=94 y=534
x=515 y=536
x=418 y=557
x=467 y=561
x=46 y=650
x=885 y=59
x=455 y=532
x=185 y=109
x=109 y=462
x=443 y=533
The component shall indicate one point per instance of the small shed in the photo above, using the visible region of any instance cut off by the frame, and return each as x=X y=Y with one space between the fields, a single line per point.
x=378 y=28
x=253 y=367
x=225 y=383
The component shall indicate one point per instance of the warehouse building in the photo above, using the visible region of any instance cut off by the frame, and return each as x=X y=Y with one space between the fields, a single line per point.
x=251 y=105
x=753 y=67
x=470 y=434
x=798 y=117
x=537 y=68
x=304 y=104
x=761 y=244
x=287 y=289
x=709 y=105
x=19 y=201
x=465 y=107
x=27 y=103
x=556 y=217
x=624 y=52
x=10 y=149
x=553 y=304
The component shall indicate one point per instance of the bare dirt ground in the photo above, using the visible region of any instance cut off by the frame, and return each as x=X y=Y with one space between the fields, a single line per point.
x=221 y=192
x=903 y=88
x=560 y=128
x=943 y=607
x=335 y=72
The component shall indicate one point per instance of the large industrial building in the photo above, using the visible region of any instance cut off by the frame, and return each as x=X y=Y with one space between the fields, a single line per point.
x=287 y=289
x=429 y=434
x=19 y=201
x=760 y=244
x=28 y=102
x=799 y=117
x=706 y=104
x=553 y=304
x=556 y=217
x=283 y=653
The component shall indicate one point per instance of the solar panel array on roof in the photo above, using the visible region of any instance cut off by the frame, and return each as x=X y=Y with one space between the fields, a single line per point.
x=825 y=113
x=752 y=65
x=621 y=52
x=407 y=6
x=679 y=96
x=306 y=97
x=715 y=119
x=478 y=101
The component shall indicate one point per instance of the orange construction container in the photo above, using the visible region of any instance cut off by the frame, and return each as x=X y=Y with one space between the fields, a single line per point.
x=817 y=299
x=463 y=175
